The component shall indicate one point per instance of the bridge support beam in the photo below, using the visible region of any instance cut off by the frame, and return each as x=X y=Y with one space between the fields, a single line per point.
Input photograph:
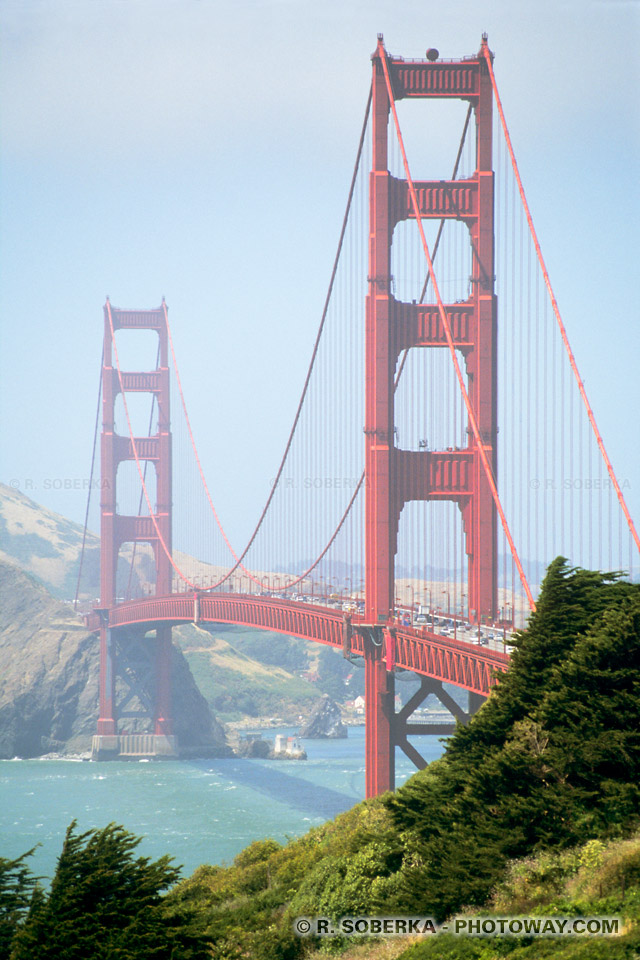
x=106 y=716
x=379 y=717
x=395 y=476
x=163 y=724
x=385 y=730
x=141 y=661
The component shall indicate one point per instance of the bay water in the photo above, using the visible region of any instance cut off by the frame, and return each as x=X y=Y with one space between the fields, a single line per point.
x=197 y=811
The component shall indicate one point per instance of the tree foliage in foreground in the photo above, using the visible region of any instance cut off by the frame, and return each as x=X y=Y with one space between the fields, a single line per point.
x=103 y=903
x=18 y=888
x=551 y=759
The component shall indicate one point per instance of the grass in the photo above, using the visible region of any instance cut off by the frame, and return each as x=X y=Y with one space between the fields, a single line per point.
x=596 y=879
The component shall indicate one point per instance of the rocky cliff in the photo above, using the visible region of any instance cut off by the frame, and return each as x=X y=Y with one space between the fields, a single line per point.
x=49 y=668
x=325 y=722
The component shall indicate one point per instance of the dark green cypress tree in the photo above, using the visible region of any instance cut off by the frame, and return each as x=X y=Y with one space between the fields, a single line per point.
x=592 y=712
x=551 y=758
x=105 y=903
x=18 y=893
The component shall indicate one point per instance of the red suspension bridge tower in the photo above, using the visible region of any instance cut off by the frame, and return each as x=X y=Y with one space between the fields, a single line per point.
x=137 y=661
x=396 y=476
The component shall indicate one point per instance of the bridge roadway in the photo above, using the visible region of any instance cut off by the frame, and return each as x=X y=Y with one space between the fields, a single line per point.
x=417 y=649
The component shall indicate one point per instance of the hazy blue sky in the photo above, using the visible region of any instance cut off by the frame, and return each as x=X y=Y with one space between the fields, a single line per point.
x=201 y=151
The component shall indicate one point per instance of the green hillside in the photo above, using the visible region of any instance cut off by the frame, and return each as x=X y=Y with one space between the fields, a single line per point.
x=597 y=879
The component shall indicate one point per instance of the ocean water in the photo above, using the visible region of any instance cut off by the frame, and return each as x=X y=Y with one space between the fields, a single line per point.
x=197 y=811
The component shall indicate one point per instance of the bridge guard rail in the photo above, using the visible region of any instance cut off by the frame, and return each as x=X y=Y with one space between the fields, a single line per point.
x=418 y=650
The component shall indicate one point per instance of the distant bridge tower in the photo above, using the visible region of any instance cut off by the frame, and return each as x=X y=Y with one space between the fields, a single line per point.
x=142 y=664
x=396 y=476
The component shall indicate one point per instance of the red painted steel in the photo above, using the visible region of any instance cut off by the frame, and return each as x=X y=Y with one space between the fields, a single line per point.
x=395 y=476
x=483 y=144
x=422 y=78
x=420 y=325
x=380 y=509
x=117 y=529
x=379 y=719
x=418 y=650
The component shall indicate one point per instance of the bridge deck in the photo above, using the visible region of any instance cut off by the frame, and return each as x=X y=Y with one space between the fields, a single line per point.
x=417 y=649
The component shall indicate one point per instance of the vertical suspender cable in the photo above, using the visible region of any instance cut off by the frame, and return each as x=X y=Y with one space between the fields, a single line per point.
x=93 y=460
x=563 y=332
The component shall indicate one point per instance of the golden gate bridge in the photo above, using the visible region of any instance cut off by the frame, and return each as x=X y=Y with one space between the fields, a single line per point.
x=443 y=448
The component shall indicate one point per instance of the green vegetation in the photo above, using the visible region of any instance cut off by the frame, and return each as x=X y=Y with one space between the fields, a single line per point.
x=596 y=879
x=17 y=888
x=103 y=903
x=534 y=808
x=551 y=759
x=346 y=866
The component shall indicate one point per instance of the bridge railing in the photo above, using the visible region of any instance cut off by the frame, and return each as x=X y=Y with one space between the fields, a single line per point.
x=416 y=649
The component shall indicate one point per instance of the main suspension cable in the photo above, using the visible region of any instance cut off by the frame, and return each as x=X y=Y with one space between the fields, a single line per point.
x=238 y=559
